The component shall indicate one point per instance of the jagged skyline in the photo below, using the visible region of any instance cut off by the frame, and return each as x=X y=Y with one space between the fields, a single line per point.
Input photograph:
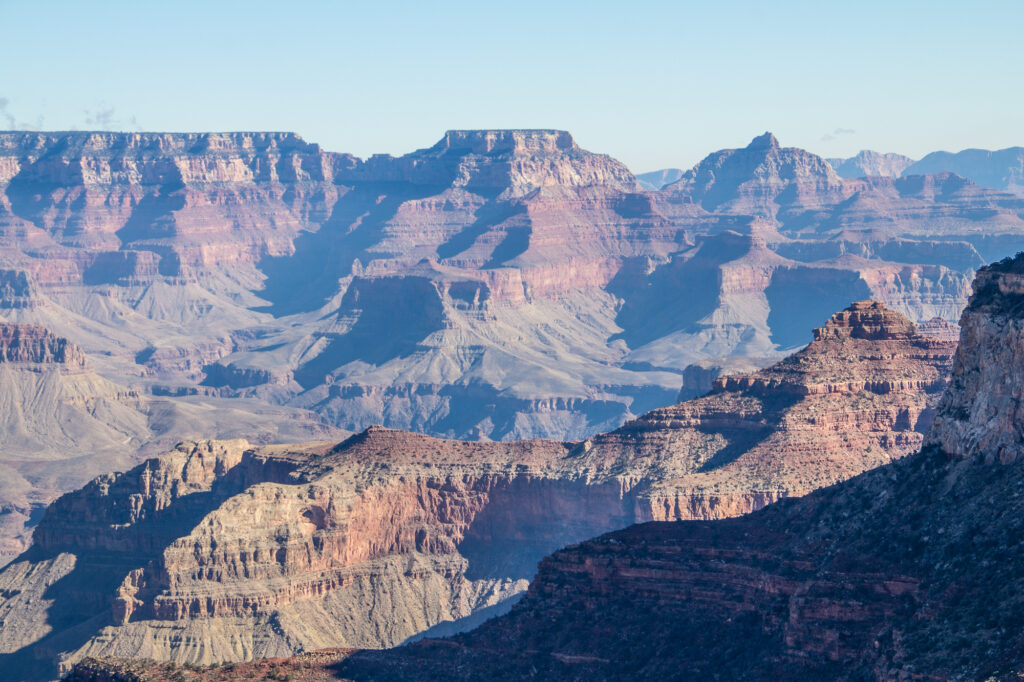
x=657 y=85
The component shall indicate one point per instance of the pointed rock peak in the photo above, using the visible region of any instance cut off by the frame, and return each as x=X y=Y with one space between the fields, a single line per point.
x=514 y=141
x=867 y=320
x=766 y=141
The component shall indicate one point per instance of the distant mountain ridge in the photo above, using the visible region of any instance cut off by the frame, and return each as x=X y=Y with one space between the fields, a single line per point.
x=1002 y=169
x=655 y=180
x=868 y=163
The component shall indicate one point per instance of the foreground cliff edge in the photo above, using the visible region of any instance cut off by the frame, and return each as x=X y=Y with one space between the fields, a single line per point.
x=221 y=551
x=914 y=570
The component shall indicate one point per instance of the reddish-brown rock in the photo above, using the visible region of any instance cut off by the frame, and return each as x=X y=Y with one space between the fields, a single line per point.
x=261 y=551
x=527 y=261
x=909 y=571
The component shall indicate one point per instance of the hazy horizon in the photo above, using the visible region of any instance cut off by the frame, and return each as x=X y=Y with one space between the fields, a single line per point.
x=655 y=85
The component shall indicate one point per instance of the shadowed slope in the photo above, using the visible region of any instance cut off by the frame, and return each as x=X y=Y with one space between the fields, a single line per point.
x=389 y=533
x=909 y=571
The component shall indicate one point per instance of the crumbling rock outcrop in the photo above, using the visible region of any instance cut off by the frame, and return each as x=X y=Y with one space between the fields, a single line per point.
x=981 y=415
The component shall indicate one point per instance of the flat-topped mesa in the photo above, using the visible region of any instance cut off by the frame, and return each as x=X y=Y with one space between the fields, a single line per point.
x=75 y=145
x=866 y=320
x=118 y=161
x=515 y=141
x=510 y=164
x=980 y=416
x=33 y=344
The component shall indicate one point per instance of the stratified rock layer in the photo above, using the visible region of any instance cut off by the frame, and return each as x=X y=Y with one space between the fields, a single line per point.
x=498 y=285
x=221 y=551
x=532 y=275
x=64 y=424
x=33 y=345
x=909 y=571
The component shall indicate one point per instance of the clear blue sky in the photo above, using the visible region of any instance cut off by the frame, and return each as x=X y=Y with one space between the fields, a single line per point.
x=655 y=84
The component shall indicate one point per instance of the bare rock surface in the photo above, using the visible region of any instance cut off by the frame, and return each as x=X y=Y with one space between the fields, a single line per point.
x=221 y=551
x=497 y=285
x=64 y=424
x=1001 y=169
x=908 y=571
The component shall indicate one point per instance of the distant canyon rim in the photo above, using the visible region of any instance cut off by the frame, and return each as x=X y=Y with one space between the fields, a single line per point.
x=499 y=285
x=300 y=335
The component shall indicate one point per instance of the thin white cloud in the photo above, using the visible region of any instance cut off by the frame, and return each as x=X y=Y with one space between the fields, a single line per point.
x=838 y=132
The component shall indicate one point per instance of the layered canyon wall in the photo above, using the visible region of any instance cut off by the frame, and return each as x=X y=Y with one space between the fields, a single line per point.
x=220 y=551
x=908 y=571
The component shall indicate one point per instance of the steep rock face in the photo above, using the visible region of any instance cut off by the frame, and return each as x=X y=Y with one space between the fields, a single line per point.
x=64 y=424
x=909 y=571
x=868 y=163
x=1002 y=169
x=794 y=426
x=30 y=344
x=542 y=293
x=762 y=301
x=510 y=163
x=152 y=247
x=980 y=416
x=264 y=551
x=155 y=203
